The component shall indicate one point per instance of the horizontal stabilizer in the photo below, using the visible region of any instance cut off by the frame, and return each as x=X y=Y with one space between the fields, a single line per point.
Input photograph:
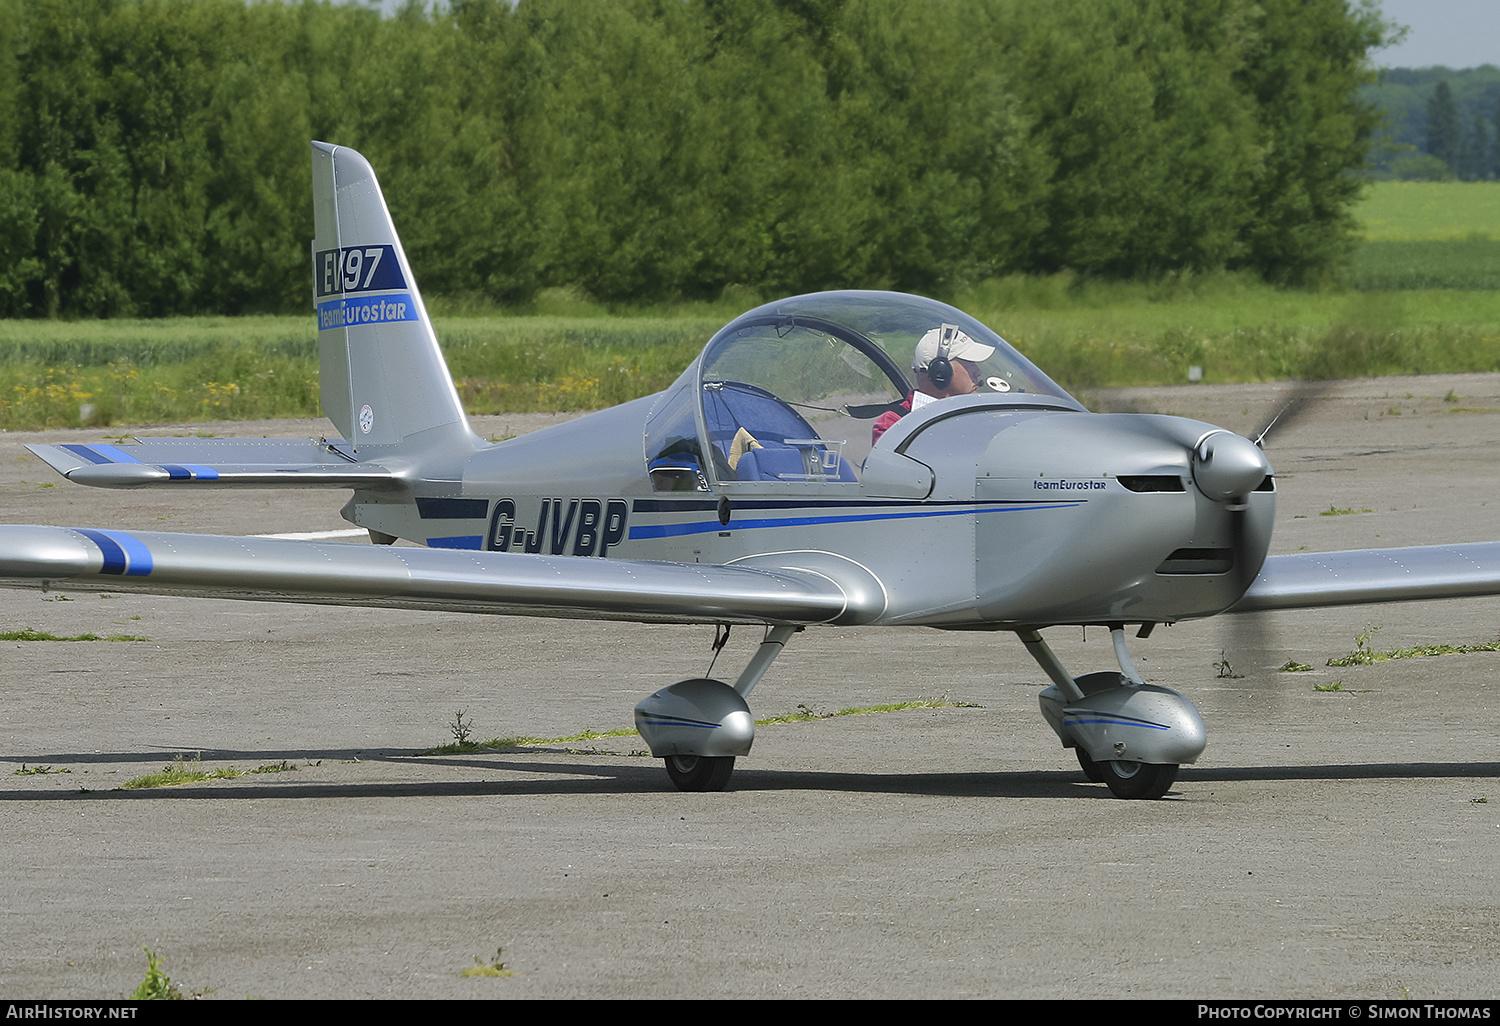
x=226 y=462
x=1360 y=576
x=418 y=578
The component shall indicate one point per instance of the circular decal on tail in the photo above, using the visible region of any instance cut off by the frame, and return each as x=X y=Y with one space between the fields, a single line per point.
x=366 y=419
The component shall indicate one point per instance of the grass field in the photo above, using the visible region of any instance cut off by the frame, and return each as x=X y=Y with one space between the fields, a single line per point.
x=1084 y=335
x=1238 y=330
x=1407 y=266
x=1425 y=298
x=1430 y=211
x=1428 y=235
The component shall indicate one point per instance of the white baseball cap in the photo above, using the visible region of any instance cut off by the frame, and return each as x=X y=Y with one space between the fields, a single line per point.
x=960 y=347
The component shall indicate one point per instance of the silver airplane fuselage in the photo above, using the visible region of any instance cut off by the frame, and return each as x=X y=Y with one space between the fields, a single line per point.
x=1028 y=514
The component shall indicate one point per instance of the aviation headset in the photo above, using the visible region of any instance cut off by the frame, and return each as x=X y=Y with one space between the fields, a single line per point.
x=940 y=367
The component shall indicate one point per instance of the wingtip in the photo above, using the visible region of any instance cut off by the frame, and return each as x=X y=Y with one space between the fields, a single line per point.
x=118 y=475
x=29 y=552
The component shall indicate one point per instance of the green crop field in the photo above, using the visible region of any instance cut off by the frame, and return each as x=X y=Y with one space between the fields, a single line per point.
x=1430 y=211
x=59 y=373
x=1428 y=235
x=1084 y=334
x=1237 y=329
x=1457 y=264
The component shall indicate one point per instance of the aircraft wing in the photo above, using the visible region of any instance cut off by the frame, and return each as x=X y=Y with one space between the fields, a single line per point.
x=84 y=559
x=231 y=462
x=1306 y=579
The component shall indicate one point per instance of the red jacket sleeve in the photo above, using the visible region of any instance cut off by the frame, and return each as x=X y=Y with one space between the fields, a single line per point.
x=885 y=420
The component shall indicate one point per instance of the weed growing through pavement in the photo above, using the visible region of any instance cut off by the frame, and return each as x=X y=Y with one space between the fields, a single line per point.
x=1364 y=655
x=157 y=986
x=461 y=730
x=494 y=967
x=30 y=634
x=495 y=744
x=275 y=767
x=178 y=772
x=804 y=713
x=1223 y=671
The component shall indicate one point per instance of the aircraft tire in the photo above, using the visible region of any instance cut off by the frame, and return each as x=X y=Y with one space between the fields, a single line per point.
x=1089 y=766
x=1138 y=779
x=700 y=772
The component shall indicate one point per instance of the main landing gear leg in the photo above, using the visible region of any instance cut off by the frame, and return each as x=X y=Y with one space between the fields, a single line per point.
x=1128 y=735
x=698 y=727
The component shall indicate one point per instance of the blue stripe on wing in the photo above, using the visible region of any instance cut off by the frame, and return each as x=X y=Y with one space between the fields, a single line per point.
x=123 y=554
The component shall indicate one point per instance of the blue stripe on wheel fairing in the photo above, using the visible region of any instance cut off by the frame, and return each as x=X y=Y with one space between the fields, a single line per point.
x=1113 y=719
x=676 y=721
x=123 y=555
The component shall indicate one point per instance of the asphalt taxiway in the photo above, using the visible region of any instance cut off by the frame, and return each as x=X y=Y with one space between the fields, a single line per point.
x=1340 y=838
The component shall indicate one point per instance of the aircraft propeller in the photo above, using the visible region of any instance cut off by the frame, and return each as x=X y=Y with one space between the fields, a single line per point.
x=1248 y=635
x=1297 y=402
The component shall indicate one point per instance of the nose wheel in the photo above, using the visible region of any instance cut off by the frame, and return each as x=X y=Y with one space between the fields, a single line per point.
x=1089 y=766
x=1148 y=729
x=1134 y=779
x=702 y=772
x=1128 y=779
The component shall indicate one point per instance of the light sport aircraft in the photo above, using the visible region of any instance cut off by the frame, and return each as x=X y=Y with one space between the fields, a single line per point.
x=751 y=491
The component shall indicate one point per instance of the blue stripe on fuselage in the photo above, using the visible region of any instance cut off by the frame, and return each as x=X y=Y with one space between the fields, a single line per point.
x=736 y=524
x=462 y=541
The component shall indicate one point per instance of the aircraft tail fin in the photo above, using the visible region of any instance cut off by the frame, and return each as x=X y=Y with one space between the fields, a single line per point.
x=384 y=380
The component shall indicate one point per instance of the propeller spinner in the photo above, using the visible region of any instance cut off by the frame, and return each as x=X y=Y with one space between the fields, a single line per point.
x=1227 y=466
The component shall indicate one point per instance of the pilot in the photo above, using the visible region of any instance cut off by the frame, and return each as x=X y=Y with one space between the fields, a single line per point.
x=946 y=363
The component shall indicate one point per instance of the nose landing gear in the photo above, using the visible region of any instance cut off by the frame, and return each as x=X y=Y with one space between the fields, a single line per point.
x=1129 y=735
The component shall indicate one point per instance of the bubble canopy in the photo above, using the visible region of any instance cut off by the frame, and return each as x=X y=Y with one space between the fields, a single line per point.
x=788 y=392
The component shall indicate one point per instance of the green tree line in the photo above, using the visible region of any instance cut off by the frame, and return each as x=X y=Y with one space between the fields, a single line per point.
x=153 y=153
x=1439 y=123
